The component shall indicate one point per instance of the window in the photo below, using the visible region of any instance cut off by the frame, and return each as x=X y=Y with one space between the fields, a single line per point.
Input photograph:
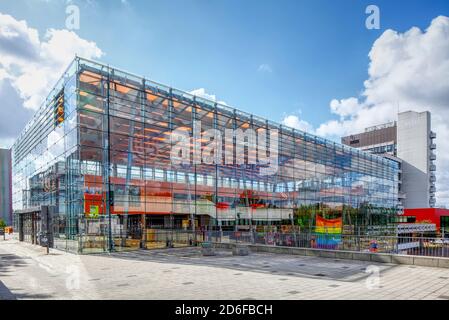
x=444 y=223
x=159 y=174
x=180 y=177
x=411 y=219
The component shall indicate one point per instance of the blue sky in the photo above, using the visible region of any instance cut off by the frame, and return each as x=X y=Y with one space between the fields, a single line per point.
x=314 y=51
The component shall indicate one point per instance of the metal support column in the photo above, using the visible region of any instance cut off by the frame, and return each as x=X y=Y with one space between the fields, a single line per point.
x=129 y=166
x=107 y=162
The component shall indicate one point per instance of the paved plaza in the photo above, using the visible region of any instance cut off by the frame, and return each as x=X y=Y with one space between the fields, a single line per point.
x=26 y=272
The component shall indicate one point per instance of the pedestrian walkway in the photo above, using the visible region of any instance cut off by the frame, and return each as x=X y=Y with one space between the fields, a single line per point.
x=26 y=272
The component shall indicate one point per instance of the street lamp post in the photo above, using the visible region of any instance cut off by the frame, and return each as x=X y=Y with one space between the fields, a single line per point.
x=293 y=228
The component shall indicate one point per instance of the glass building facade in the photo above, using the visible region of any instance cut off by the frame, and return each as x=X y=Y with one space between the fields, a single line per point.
x=121 y=158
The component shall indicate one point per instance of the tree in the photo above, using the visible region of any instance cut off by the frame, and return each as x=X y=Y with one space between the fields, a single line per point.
x=2 y=224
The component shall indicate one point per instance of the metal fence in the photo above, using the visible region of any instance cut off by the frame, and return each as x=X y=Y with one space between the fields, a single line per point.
x=411 y=245
x=97 y=240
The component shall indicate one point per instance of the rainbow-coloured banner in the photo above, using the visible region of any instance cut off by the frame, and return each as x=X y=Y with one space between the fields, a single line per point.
x=327 y=233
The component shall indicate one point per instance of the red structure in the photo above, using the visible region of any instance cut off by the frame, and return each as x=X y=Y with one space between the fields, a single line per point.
x=440 y=217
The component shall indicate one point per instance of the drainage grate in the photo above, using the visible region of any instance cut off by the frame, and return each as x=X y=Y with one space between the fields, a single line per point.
x=186 y=283
x=123 y=285
x=319 y=275
x=444 y=297
x=301 y=265
x=444 y=277
x=334 y=285
x=293 y=292
x=237 y=274
x=283 y=279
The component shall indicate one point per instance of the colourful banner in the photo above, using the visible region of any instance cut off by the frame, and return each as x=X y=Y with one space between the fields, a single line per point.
x=327 y=233
x=328 y=226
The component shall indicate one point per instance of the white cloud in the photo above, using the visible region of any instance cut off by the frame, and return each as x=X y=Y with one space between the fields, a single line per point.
x=18 y=43
x=201 y=92
x=409 y=71
x=297 y=123
x=12 y=115
x=265 y=68
x=30 y=66
x=344 y=107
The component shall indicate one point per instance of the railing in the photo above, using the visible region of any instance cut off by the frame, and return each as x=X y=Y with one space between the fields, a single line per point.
x=425 y=246
x=168 y=238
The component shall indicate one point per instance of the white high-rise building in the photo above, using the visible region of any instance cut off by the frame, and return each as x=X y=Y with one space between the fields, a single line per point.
x=410 y=142
x=415 y=146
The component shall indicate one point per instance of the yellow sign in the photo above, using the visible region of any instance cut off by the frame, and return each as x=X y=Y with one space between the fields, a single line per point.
x=94 y=210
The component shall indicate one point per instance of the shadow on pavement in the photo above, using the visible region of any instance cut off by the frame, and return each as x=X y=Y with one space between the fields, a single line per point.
x=273 y=264
x=5 y=293
x=37 y=296
x=10 y=261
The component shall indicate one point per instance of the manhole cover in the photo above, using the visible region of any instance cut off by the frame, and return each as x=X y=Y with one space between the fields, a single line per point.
x=319 y=275
x=334 y=286
x=283 y=279
x=186 y=283
x=444 y=277
x=123 y=285
x=237 y=274
x=444 y=297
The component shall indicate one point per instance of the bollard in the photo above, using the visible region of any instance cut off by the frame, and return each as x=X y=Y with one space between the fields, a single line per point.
x=207 y=249
x=240 y=250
